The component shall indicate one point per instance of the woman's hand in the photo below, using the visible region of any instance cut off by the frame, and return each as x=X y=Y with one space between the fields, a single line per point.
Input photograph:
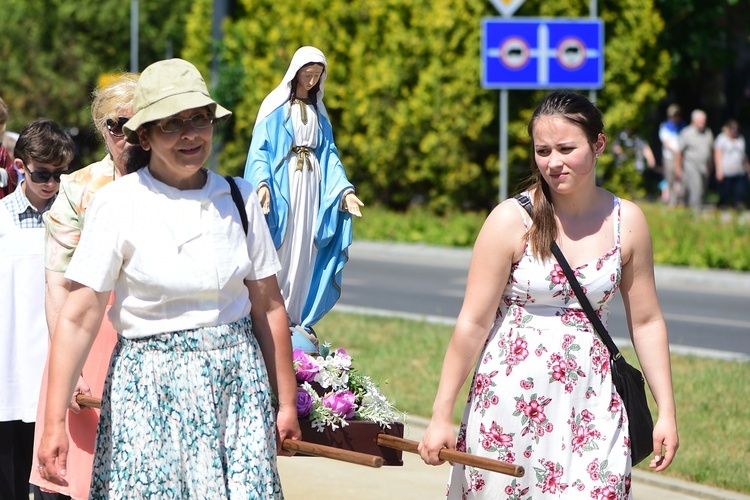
x=352 y=204
x=437 y=437
x=81 y=388
x=287 y=425
x=666 y=443
x=52 y=456
x=264 y=196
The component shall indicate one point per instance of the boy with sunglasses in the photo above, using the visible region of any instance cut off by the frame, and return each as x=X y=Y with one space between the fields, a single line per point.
x=44 y=152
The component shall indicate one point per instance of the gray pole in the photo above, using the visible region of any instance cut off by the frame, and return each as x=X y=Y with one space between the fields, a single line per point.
x=592 y=14
x=220 y=11
x=134 y=36
x=503 y=144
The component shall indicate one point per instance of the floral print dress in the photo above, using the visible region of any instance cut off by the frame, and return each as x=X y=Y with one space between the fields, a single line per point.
x=542 y=395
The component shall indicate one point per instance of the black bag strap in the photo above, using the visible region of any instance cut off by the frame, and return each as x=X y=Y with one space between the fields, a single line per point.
x=237 y=197
x=614 y=352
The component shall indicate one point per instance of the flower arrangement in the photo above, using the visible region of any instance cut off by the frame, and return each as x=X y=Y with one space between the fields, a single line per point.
x=342 y=393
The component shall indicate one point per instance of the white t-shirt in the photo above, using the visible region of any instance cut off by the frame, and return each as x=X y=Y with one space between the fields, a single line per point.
x=175 y=259
x=732 y=154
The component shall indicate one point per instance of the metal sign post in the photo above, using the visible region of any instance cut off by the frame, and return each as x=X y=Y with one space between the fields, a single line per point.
x=538 y=53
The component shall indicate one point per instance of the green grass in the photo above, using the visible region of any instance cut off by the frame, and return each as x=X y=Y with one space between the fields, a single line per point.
x=712 y=396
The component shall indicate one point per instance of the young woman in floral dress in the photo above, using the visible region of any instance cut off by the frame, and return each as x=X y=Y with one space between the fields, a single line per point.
x=542 y=395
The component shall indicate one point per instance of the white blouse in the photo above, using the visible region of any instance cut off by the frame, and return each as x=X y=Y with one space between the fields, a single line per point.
x=23 y=329
x=176 y=259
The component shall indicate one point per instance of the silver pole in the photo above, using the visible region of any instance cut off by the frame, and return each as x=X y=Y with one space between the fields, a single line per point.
x=503 y=144
x=134 y=36
x=592 y=14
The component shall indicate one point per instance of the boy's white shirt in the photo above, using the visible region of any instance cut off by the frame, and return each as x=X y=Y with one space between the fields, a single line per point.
x=23 y=328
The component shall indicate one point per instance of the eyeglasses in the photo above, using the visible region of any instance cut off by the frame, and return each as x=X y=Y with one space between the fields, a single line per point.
x=43 y=176
x=175 y=124
x=115 y=127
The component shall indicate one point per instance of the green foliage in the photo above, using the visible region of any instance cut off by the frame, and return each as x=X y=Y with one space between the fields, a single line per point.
x=418 y=225
x=412 y=123
x=711 y=412
x=54 y=51
x=710 y=240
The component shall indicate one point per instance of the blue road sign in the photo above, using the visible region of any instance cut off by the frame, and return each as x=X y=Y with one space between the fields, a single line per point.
x=540 y=53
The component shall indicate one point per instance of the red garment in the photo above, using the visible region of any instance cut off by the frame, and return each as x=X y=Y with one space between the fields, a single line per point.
x=6 y=162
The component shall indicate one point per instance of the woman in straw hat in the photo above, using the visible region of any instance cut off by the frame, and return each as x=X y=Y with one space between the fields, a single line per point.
x=304 y=192
x=203 y=339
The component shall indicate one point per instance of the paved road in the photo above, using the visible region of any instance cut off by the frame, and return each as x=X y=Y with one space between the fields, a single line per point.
x=706 y=311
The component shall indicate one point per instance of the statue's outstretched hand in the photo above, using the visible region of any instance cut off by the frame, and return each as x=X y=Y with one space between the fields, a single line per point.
x=352 y=204
x=264 y=196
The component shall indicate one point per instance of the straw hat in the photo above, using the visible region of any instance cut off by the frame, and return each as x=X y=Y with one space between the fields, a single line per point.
x=166 y=88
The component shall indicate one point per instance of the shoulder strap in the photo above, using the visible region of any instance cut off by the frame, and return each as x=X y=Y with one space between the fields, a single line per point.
x=614 y=352
x=237 y=197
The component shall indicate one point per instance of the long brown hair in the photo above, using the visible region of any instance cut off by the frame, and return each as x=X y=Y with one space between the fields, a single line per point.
x=578 y=110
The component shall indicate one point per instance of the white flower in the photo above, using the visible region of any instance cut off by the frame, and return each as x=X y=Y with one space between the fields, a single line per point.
x=336 y=374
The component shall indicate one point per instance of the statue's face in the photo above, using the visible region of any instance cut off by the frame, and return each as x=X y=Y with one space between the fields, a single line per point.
x=307 y=78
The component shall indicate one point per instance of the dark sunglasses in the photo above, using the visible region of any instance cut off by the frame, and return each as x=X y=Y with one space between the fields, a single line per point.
x=42 y=176
x=115 y=127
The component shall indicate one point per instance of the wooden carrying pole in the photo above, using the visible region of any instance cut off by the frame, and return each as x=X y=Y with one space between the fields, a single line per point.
x=316 y=450
x=402 y=444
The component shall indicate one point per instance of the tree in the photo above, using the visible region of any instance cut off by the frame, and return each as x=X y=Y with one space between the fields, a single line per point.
x=411 y=120
x=54 y=51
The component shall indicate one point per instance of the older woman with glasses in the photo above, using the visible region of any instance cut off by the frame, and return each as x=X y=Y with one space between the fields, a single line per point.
x=112 y=106
x=203 y=344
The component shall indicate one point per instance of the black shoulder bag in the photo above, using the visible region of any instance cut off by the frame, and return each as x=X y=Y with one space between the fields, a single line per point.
x=237 y=197
x=627 y=379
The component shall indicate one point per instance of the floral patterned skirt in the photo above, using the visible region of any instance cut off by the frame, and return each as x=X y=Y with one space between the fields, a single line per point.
x=187 y=414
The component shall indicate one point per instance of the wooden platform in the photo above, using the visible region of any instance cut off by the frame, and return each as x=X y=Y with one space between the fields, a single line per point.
x=359 y=435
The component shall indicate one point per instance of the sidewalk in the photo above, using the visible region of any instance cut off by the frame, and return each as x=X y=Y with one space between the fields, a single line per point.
x=305 y=478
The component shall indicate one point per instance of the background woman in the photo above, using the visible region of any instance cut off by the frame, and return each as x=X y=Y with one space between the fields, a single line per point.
x=542 y=395
x=304 y=192
x=732 y=166
x=203 y=339
x=112 y=106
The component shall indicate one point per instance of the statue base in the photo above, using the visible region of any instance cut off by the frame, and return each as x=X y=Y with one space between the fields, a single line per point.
x=359 y=435
x=304 y=340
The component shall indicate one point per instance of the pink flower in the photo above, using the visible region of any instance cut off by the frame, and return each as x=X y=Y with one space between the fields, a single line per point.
x=535 y=412
x=495 y=436
x=482 y=382
x=587 y=416
x=341 y=402
x=304 y=366
x=558 y=372
x=607 y=493
x=527 y=384
x=580 y=439
x=593 y=467
x=304 y=403
x=519 y=349
x=557 y=275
